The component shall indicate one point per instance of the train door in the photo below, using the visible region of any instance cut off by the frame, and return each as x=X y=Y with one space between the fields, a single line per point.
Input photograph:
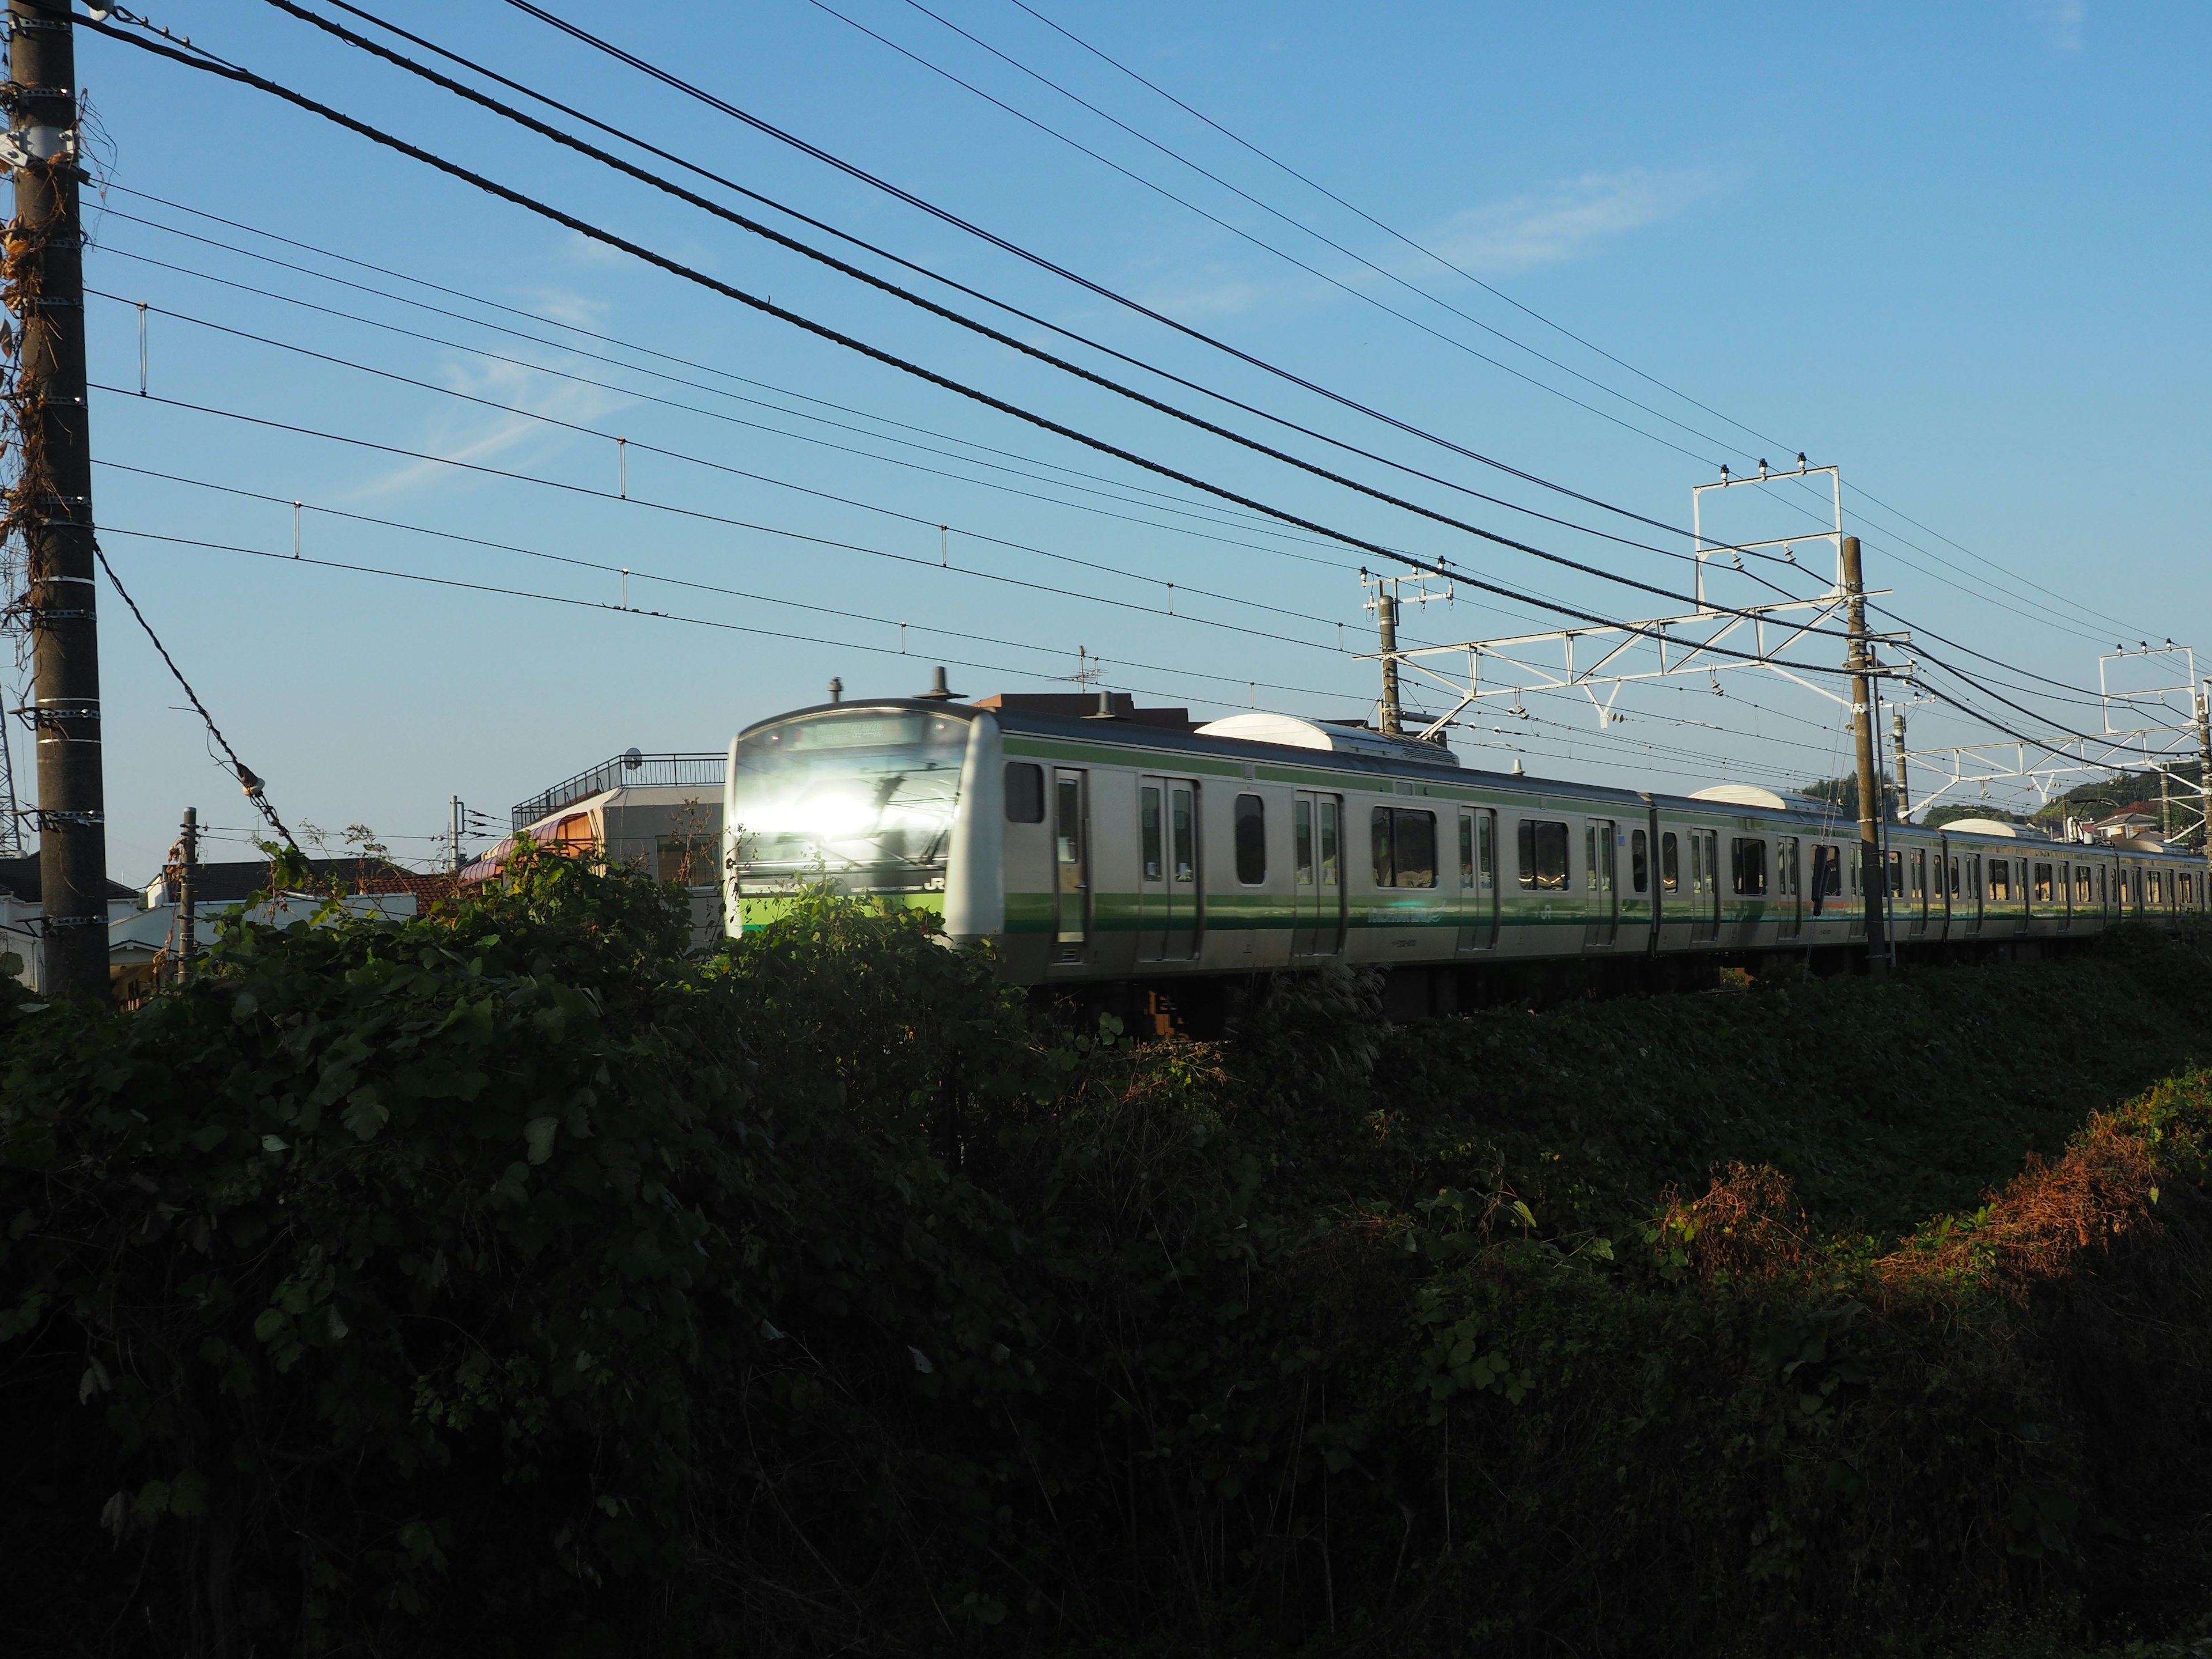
x=1602 y=916
x=1477 y=879
x=1167 y=870
x=2062 y=897
x=1970 y=913
x=1705 y=886
x=1317 y=858
x=1071 y=843
x=1790 y=889
x=1917 y=894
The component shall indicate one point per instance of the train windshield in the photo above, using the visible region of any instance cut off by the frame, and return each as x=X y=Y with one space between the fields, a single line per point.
x=869 y=795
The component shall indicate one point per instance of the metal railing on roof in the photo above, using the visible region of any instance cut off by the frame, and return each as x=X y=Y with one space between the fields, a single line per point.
x=629 y=769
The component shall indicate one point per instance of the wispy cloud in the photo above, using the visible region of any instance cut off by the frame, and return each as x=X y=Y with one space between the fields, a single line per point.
x=1569 y=221
x=511 y=438
x=564 y=305
x=2062 y=23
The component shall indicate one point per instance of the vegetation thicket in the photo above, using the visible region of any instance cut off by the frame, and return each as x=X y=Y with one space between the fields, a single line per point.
x=504 y=1282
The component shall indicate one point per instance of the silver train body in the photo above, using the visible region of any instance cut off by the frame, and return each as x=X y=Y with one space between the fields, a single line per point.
x=1114 y=849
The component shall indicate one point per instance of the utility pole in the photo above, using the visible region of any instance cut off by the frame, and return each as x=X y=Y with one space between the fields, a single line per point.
x=1862 y=738
x=52 y=504
x=188 y=846
x=1896 y=739
x=2204 y=768
x=1386 y=614
x=454 y=867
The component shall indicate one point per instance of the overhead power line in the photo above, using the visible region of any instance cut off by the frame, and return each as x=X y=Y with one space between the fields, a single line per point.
x=1457 y=269
x=1181 y=504
x=570 y=602
x=255 y=791
x=659 y=182
x=643 y=66
x=201 y=60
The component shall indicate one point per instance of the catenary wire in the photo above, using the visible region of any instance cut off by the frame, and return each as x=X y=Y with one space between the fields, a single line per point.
x=1296 y=224
x=1174 y=503
x=204 y=62
x=716 y=415
x=645 y=175
x=570 y=602
x=1459 y=271
x=641 y=574
x=400 y=60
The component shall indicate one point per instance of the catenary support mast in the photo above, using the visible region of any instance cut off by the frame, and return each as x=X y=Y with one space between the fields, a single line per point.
x=1862 y=738
x=53 y=506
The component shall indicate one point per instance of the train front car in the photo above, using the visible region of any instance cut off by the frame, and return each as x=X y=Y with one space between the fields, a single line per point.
x=895 y=800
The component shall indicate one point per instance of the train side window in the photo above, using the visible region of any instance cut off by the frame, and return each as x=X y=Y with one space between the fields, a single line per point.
x=1148 y=829
x=1485 y=854
x=1895 y=885
x=1639 y=861
x=2158 y=887
x=1378 y=832
x=1024 y=792
x=1543 y=848
x=1670 y=864
x=2080 y=883
x=1414 y=847
x=1748 y=863
x=1182 y=822
x=2041 y=886
x=2000 y=878
x=1328 y=843
x=1251 y=823
x=1302 y=848
x=1467 y=849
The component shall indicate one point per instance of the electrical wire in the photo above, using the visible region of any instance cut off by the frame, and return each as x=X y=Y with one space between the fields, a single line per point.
x=641 y=574
x=643 y=447
x=1459 y=271
x=1299 y=225
x=207 y=63
x=646 y=176
x=717 y=415
x=677 y=83
x=570 y=602
x=1235 y=230
x=659 y=182
x=1252 y=520
x=254 y=789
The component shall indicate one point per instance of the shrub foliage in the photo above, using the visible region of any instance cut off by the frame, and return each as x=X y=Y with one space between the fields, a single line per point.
x=503 y=1281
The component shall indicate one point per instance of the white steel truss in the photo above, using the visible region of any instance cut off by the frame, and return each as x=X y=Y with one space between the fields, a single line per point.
x=1598 y=660
x=2174 y=750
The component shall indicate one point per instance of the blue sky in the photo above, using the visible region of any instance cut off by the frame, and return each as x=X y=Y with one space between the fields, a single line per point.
x=1957 y=251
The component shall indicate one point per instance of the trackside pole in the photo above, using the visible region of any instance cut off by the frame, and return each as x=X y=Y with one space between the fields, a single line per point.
x=1872 y=876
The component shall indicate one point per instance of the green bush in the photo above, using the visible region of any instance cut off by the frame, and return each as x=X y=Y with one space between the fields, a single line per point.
x=503 y=1281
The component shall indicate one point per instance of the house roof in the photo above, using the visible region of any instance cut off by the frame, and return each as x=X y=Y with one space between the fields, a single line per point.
x=19 y=880
x=228 y=880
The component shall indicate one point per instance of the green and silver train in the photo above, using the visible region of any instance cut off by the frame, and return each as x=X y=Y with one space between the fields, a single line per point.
x=1127 y=846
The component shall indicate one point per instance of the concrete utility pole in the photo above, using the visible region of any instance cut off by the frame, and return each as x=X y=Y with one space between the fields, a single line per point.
x=53 y=499
x=188 y=859
x=1386 y=616
x=1896 y=737
x=1862 y=738
x=2205 y=769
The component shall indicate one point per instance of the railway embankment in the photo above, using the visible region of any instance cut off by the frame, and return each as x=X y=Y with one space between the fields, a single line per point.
x=505 y=1282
